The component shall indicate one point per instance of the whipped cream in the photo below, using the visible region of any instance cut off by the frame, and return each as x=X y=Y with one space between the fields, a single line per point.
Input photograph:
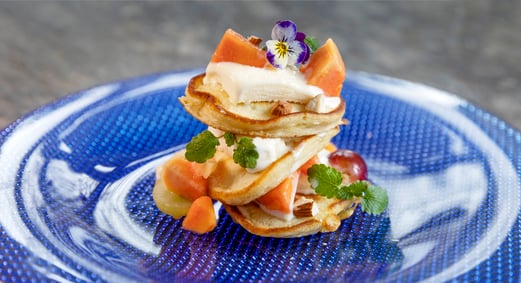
x=323 y=104
x=269 y=149
x=246 y=84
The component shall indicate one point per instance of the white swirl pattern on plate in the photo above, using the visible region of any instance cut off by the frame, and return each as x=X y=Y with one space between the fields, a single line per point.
x=23 y=138
x=469 y=180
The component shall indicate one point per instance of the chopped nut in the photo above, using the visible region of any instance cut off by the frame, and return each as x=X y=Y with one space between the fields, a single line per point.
x=255 y=40
x=281 y=108
x=305 y=210
x=304 y=207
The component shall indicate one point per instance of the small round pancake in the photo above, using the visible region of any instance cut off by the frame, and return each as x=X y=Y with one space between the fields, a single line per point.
x=331 y=211
x=234 y=185
x=203 y=102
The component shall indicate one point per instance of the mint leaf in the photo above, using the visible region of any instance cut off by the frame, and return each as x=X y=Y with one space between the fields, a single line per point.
x=325 y=180
x=229 y=138
x=312 y=43
x=355 y=189
x=201 y=147
x=245 y=154
x=375 y=200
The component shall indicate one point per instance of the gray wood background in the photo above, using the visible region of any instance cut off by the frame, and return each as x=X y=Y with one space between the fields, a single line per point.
x=49 y=49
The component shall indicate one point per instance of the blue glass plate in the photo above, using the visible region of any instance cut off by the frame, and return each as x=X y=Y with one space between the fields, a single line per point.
x=77 y=175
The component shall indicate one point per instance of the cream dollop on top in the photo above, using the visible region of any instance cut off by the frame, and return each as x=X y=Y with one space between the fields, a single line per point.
x=245 y=84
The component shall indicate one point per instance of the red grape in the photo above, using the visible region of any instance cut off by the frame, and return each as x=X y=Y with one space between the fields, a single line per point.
x=349 y=163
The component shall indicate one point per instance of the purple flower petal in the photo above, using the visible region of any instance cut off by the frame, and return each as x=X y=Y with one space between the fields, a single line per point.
x=300 y=36
x=298 y=51
x=284 y=31
x=307 y=54
x=271 y=58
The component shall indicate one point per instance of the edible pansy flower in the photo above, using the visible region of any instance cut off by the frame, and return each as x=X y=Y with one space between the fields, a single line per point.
x=287 y=46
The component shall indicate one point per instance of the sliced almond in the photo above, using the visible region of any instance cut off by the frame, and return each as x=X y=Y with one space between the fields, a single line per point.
x=305 y=210
x=304 y=207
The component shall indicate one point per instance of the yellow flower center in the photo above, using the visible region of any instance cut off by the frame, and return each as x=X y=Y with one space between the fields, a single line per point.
x=282 y=48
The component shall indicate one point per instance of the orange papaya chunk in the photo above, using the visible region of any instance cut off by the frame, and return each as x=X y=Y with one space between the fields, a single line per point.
x=201 y=216
x=312 y=161
x=280 y=197
x=315 y=160
x=326 y=69
x=235 y=48
x=184 y=178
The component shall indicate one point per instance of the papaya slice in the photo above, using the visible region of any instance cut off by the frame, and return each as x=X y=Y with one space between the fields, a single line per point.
x=315 y=159
x=312 y=161
x=184 y=178
x=235 y=48
x=326 y=69
x=200 y=218
x=281 y=197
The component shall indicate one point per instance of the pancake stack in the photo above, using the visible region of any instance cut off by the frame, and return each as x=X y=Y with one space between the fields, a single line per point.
x=306 y=135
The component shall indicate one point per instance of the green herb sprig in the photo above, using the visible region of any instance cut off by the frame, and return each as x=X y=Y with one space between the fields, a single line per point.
x=245 y=153
x=312 y=43
x=203 y=147
x=327 y=181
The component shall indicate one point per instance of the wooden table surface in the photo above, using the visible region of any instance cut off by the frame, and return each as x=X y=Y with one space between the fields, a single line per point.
x=50 y=49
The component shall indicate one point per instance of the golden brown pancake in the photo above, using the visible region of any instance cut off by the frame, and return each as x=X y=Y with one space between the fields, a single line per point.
x=202 y=102
x=231 y=184
x=331 y=211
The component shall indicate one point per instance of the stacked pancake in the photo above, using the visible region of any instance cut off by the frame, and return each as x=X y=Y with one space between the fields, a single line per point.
x=290 y=115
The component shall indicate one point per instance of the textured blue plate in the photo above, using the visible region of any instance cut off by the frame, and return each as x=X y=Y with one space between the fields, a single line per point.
x=77 y=175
